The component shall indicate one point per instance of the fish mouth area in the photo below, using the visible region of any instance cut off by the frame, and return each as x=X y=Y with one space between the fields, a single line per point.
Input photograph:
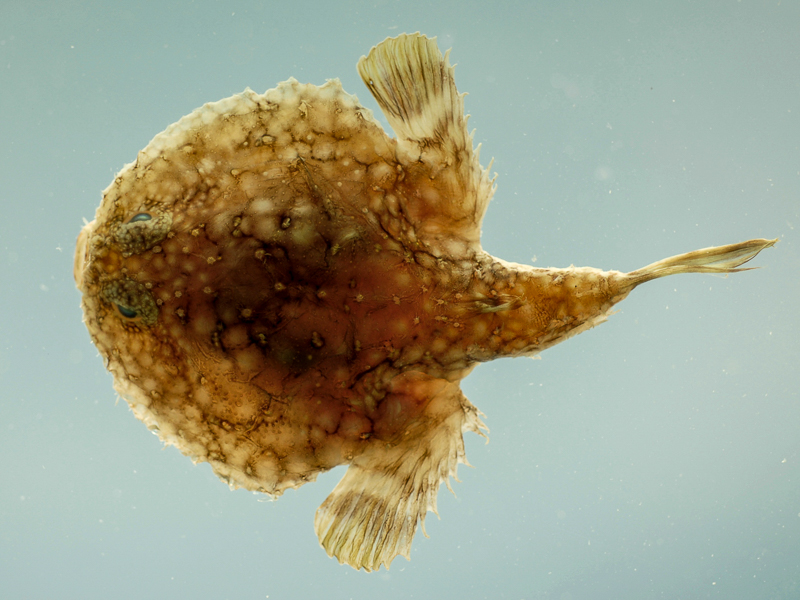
x=81 y=249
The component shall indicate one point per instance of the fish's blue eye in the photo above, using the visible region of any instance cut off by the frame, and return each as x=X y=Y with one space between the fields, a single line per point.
x=127 y=312
x=140 y=217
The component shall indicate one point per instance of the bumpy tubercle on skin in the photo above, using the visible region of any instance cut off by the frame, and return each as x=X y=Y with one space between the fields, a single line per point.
x=367 y=309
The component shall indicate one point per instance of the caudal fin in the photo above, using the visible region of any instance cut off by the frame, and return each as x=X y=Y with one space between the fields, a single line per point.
x=718 y=259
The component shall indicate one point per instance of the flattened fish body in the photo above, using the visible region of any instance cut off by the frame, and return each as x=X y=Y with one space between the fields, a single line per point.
x=278 y=288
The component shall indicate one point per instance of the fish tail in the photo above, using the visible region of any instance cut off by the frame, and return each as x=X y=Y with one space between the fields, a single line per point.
x=717 y=259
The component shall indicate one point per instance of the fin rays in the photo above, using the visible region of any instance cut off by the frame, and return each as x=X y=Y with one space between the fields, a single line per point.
x=717 y=259
x=372 y=514
x=415 y=88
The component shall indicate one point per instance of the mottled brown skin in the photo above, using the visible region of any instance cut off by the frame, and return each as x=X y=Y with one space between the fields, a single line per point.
x=324 y=325
x=279 y=288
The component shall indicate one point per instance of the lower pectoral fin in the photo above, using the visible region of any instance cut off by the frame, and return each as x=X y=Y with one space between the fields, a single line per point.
x=371 y=516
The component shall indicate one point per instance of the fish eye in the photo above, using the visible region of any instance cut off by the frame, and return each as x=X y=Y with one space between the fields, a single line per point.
x=140 y=217
x=127 y=312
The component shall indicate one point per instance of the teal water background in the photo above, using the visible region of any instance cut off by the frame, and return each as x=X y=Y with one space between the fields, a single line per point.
x=657 y=456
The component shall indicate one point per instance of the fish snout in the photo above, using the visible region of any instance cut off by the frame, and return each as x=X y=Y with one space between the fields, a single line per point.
x=81 y=250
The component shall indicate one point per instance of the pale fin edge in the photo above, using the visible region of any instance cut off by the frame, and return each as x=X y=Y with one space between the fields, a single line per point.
x=415 y=87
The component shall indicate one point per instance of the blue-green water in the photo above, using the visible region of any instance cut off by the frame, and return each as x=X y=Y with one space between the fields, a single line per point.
x=657 y=456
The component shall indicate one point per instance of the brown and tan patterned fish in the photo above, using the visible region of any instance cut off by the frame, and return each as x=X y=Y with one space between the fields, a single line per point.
x=278 y=287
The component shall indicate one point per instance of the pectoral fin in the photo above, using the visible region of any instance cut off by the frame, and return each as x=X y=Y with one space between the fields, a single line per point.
x=415 y=88
x=371 y=516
